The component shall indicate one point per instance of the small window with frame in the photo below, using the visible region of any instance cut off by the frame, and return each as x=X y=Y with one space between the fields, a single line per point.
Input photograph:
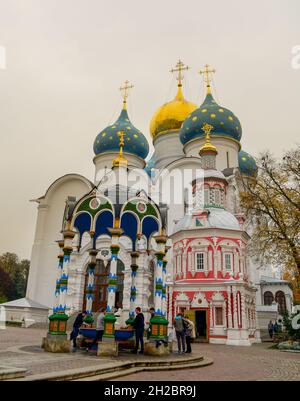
x=179 y=269
x=200 y=264
x=219 y=315
x=228 y=261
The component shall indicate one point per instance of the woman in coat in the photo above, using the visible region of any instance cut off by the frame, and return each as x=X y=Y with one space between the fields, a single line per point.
x=190 y=334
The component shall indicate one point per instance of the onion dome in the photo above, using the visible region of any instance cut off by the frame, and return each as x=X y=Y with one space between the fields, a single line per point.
x=108 y=140
x=224 y=122
x=170 y=116
x=247 y=164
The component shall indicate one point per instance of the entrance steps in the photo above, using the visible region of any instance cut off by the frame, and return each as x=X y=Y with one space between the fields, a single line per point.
x=115 y=368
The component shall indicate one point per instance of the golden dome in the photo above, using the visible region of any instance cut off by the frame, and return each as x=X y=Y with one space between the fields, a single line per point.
x=171 y=115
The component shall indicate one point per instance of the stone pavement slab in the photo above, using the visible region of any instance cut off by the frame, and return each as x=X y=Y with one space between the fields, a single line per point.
x=20 y=348
x=41 y=365
x=255 y=363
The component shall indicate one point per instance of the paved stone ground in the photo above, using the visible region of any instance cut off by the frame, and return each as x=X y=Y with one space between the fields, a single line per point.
x=258 y=362
x=21 y=348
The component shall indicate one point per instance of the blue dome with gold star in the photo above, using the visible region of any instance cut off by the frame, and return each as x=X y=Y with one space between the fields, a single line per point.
x=247 y=164
x=224 y=122
x=109 y=141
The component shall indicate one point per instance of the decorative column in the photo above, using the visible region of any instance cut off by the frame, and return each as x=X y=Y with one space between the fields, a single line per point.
x=164 y=288
x=60 y=267
x=229 y=312
x=90 y=287
x=58 y=321
x=109 y=319
x=133 y=290
x=235 y=308
x=158 y=322
x=56 y=340
x=170 y=311
x=243 y=312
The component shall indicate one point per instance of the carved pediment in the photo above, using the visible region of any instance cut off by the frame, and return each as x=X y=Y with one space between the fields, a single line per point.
x=218 y=296
x=199 y=301
x=182 y=297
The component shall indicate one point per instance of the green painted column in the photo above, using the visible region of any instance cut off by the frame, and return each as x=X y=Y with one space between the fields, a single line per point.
x=109 y=319
x=159 y=324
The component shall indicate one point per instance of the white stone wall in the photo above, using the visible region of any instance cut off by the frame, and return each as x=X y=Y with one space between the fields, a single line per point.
x=168 y=148
x=43 y=267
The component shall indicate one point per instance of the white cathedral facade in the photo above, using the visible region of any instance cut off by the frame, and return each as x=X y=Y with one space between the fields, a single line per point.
x=205 y=270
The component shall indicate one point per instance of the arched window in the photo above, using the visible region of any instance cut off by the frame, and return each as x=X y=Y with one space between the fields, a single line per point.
x=268 y=298
x=100 y=285
x=280 y=299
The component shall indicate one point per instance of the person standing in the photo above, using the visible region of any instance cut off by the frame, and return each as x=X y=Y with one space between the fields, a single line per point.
x=180 y=335
x=100 y=325
x=271 y=329
x=275 y=328
x=189 y=333
x=139 y=326
x=76 y=326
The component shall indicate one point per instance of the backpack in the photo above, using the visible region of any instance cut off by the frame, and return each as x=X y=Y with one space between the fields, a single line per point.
x=178 y=324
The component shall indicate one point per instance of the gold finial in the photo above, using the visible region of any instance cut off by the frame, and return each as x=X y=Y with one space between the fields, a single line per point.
x=207 y=76
x=120 y=160
x=125 y=92
x=207 y=128
x=179 y=68
x=208 y=146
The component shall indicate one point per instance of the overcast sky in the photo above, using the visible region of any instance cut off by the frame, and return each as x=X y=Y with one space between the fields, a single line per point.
x=65 y=60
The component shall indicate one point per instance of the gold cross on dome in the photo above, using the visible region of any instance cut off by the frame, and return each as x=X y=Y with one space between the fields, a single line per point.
x=121 y=135
x=120 y=160
x=125 y=90
x=207 y=72
x=179 y=68
x=207 y=129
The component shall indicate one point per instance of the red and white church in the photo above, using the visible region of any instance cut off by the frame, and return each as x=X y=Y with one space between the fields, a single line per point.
x=211 y=279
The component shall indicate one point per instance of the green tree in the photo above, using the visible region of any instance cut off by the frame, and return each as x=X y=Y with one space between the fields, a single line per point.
x=8 y=262
x=272 y=202
x=17 y=271
x=19 y=278
x=6 y=286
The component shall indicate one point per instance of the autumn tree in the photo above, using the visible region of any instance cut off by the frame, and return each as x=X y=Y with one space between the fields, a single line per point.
x=293 y=277
x=271 y=202
x=17 y=271
x=6 y=286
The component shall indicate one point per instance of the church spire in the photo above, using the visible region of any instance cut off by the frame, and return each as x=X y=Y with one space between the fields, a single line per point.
x=180 y=67
x=120 y=160
x=125 y=92
x=208 y=151
x=207 y=72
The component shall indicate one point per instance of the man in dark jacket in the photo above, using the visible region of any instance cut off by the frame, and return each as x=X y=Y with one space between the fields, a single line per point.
x=76 y=326
x=139 y=326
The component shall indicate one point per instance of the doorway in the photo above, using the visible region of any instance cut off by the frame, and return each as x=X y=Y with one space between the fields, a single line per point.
x=201 y=325
x=100 y=292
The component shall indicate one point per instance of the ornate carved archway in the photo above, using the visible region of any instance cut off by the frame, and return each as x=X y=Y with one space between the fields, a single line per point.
x=101 y=273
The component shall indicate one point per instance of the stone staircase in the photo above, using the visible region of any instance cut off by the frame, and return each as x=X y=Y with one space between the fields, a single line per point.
x=114 y=369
